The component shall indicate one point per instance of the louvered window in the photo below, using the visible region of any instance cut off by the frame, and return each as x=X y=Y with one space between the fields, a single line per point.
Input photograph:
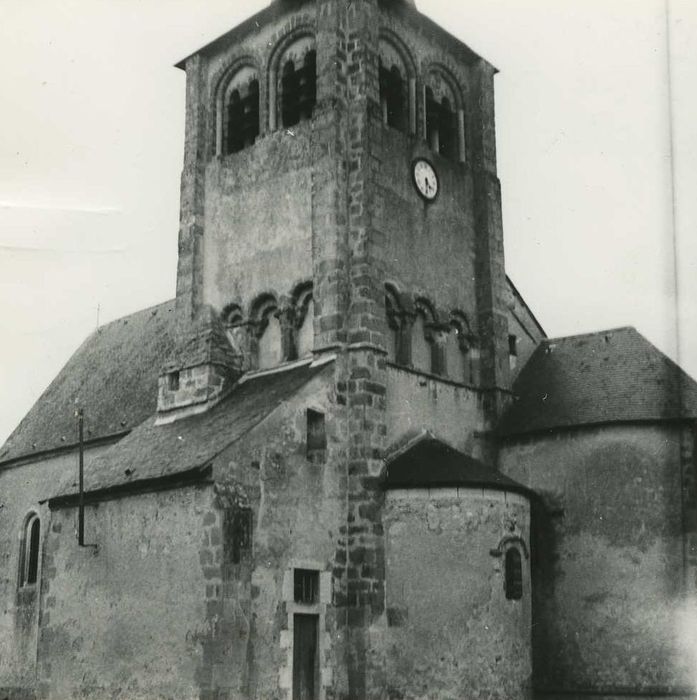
x=299 y=89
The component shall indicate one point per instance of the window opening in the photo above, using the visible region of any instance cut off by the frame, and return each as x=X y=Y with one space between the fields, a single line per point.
x=316 y=432
x=442 y=126
x=243 y=118
x=514 y=574
x=447 y=130
x=299 y=89
x=392 y=97
x=306 y=586
x=269 y=350
x=173 y=379
x=238 y=532
x=513 y=351
x=306 y=331
x=400 y=330
x=29 y=560
x=432 y=121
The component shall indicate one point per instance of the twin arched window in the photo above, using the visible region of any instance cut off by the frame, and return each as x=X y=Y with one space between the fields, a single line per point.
x=29 y=551
x=293 y=95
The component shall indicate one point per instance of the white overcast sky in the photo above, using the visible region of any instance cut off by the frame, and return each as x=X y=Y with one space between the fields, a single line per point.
x=91 y=140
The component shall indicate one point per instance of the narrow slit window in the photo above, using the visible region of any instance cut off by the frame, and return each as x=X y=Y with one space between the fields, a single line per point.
x=238 y=533
x=173 y=379
x=306 y=586
x=29 y=560
x=432 y=121
x=514 y=574
x=235 y=141
x=513 y=351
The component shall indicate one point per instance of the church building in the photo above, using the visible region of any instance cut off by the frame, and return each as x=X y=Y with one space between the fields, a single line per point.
x=345 y=462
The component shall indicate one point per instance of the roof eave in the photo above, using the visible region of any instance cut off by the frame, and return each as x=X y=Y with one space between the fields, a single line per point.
x=241 y=30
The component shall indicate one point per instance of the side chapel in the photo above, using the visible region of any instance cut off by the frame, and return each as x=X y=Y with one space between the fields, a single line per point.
x=345 y=462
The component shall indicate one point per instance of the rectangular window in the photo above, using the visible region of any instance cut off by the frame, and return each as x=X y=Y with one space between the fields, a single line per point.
x=238 y=533
x=306 y=586
x=173 y=381
x=316 y=432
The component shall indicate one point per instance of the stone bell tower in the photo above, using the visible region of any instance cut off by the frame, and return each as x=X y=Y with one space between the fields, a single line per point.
x=344 y=153
x=278 y=197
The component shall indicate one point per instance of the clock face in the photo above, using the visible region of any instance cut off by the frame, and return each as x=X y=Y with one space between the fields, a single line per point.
x=425 y=179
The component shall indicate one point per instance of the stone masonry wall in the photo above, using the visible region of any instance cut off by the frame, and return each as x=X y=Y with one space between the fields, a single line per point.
x=21 y=489
x=125 y=619
x=452 y=631
x=612 y=598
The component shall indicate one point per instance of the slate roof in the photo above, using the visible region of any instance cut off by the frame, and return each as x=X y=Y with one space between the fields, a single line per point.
x=605 y=377
x=113 y=375
x=152 y=451
x=430 y=463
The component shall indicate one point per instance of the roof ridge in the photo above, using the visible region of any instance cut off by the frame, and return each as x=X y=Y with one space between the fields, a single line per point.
x=560 y=338
x=132 y=314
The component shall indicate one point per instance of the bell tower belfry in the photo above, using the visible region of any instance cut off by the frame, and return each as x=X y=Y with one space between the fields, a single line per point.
x=339 y=197
x=305 y=129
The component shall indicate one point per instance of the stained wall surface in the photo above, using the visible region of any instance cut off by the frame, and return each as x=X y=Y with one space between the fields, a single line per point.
x=452 y=633
x=21 y=490
x=421 y=402
x=258 y=219
x=524 y=327
x=610 y=574
x=429 y=248
x=176 y=601
x=98 y=638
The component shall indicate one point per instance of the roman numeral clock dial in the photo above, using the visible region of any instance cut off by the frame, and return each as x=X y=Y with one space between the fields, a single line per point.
x=425 y=179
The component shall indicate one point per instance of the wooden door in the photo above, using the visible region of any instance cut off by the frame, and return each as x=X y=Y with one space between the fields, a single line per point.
x=306 y=657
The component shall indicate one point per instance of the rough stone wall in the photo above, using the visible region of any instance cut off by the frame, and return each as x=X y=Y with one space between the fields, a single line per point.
x=21 y=489
x=123 y=620
x=452 y=412
x=298 y=506
x=450 y=251
x=429 y=248
x=452 y=631
x=523 y=326
x=258 y=219
x=611 y=592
